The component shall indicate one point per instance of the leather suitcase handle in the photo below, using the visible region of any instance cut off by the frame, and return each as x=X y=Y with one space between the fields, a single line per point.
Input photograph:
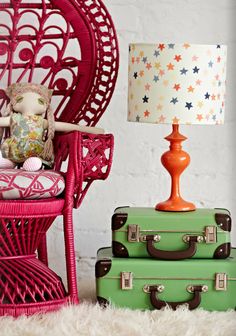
x=192 y=303
x=171 y=255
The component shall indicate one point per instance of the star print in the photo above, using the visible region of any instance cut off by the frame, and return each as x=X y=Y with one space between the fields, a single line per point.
x=161 y=119
x=214 y=117
x=175 y=120
x=198 y=82
x=155 y=78
x=218 y=59
x=171 y=45
x=146 y=113
x=137 y=60
x=174 y=100
x=218 y=96
x=141 y=53
x=178 y=58
x=218 y=46
x=207 y=96
x=183 y=71
x=137 y=118
x=219 y=83
x=199 y=117
x=210 y=64
x=161 y=73
x=194 y=58
x=186 y=45
x=135 y=75
x=213 y=97
x=176 y=87
x=145 y=99
x=189 y=105
x=159 y=107
x=156 y=53
x=166 y=82
x=217 y=77
x=157 y=65
x=195 y=69
x=133 y=60
x=200 y=104
x=144 y=60
x=190 y=88
x=141 y=73
x=170 y=66
x=148 y=66
x=161 y=46
x=147 y=87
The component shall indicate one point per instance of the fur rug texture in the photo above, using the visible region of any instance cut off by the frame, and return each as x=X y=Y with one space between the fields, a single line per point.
x=88 y=319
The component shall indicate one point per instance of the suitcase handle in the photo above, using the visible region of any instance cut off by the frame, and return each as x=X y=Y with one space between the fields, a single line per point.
x=192 y=303
x=171 y=255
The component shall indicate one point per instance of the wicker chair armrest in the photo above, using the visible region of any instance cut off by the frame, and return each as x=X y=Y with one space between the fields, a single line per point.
x=89 y=158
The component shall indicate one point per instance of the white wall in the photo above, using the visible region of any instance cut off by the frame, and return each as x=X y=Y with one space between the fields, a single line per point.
x=137 y=177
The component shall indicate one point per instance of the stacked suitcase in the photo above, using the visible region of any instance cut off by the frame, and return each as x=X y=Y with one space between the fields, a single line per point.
x=168 y=258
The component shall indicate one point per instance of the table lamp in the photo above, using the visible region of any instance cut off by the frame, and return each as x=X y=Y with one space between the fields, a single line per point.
x=176 y=84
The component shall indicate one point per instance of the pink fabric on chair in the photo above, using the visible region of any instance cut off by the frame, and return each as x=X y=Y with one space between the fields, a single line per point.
x=21 y=184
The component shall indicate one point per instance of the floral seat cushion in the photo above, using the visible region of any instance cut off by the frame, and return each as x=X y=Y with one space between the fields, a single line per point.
x=21 y=184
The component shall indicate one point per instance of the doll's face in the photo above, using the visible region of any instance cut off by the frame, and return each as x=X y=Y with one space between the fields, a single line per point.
x=30 y=103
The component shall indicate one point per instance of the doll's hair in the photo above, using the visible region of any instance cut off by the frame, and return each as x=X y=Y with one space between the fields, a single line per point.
x=16 y=89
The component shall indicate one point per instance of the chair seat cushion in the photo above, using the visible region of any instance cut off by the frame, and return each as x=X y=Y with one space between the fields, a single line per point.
x=21 y=184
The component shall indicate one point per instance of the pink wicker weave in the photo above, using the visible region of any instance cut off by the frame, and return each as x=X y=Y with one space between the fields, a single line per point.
x=70 y=46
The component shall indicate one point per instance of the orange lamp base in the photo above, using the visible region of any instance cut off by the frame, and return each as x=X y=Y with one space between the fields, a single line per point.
x=175 y=161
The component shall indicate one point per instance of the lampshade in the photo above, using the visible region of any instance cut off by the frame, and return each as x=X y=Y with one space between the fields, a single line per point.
x=177 y=83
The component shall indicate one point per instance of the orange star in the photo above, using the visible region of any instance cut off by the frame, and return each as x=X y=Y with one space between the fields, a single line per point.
x=159 y=107
x=141 y=73
x=186 y=45
x=198 y=82
x=161 y=46
x=190 y=88
x=148 y=66
x=166 y=82
x=178 y=58
x=161 y=119
x=199 y=117
x=170 y=66
x=133 y=60
x=213 y=97
x=175 y=120
x=176 y=87
x=146 y=113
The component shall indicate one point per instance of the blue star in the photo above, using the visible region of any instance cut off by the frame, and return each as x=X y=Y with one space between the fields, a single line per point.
x=214 y=117
x=135 y=75
x=210 y=64
x=155 y=78
x=137 y=118
x=218 y=46
x=221 y=110
x=145 y=99
x=219 y=83
x=183 y=71
x=207 y=96
x=171 y=45
x=195 y=69
x=188 y=105
x=144 y=59
x=156 y=53
x=174 y=100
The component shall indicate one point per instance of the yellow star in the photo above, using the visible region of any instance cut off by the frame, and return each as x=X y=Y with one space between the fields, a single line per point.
x=161 y=98
x=166 y=82
x=141 y=53
x=157 y=65
x=175 y=120
x=159 y=107
x=200 y=104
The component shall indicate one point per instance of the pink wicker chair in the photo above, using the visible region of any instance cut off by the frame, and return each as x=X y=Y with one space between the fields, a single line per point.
x=70 y=46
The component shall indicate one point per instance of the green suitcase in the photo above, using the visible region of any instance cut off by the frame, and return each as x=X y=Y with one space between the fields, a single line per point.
x=145 y=232
x=140 y=283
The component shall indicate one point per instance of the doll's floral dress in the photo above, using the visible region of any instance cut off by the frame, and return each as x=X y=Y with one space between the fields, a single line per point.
x=26 y=140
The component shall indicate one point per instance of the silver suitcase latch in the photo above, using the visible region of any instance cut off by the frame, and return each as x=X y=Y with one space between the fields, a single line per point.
x=210 y=234
x=133 y=233
x=126 y=280
x=221 y=282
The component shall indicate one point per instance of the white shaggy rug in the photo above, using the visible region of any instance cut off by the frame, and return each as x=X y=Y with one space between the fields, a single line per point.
x=88 y=319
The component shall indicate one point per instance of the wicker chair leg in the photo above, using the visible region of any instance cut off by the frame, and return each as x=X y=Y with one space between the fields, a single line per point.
x=70 y=256
x=42 y=250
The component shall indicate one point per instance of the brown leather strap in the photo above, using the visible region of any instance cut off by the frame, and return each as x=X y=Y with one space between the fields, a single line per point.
x=192 y=304
x=171 y=255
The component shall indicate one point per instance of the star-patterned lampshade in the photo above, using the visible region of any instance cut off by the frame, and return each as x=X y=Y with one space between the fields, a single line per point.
x=177 y=83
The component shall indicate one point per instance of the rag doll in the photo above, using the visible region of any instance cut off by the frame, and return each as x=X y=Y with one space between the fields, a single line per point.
x=32 y=126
